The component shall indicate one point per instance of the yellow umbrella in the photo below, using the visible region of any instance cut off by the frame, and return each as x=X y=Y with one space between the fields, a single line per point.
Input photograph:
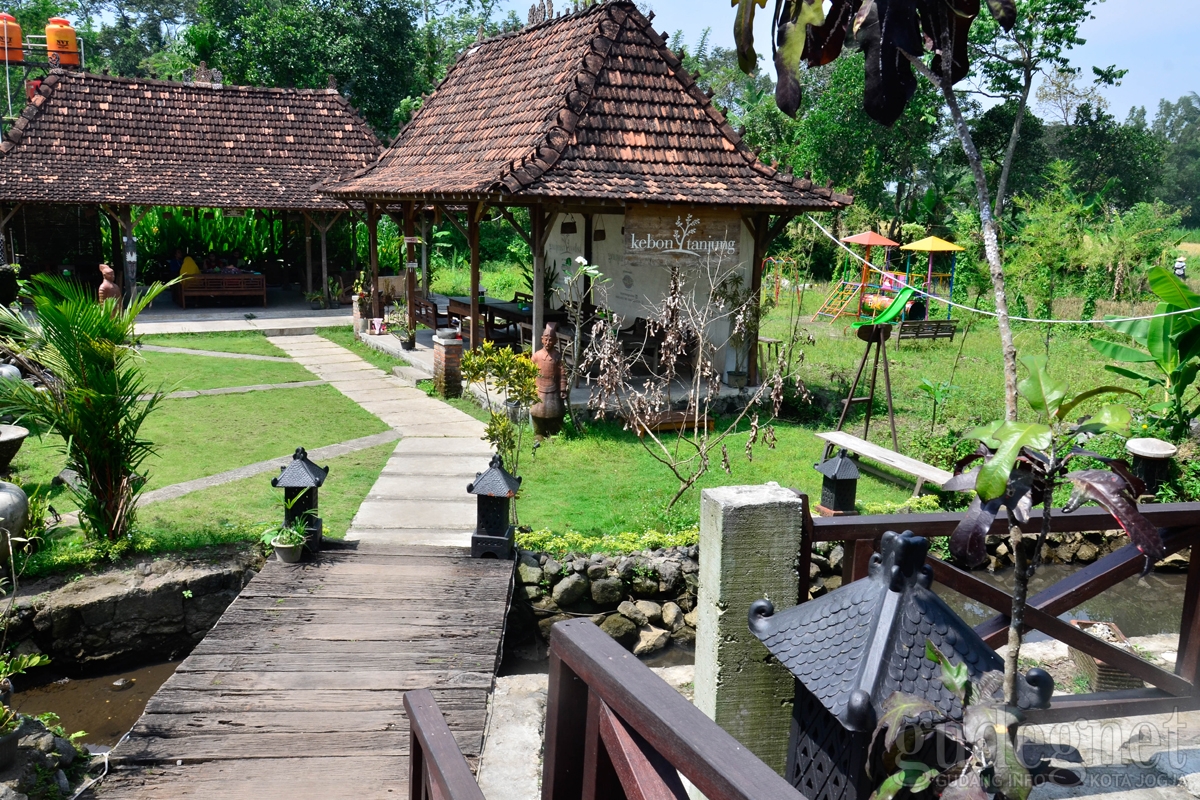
x=932 y=244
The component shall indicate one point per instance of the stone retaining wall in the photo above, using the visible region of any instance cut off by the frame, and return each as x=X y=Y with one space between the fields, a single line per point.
x=644 y=600
x=153 y=609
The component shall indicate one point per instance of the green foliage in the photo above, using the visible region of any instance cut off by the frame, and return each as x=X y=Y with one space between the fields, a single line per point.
x=1177 y=125
x=1170 y=345
x=97 y=400
x=513 y=376
x=287 y=535
x=1125 y=159
x=938 y=394
x=557 y=544
x=921 y=504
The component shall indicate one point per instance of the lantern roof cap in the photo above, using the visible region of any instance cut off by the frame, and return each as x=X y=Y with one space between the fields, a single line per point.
x=300 y=473
x=494 y=481
x=840 y=468
x=857 y=645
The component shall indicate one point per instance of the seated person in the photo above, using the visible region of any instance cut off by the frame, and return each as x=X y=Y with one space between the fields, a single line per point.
x=175 y=263
x=188 y=265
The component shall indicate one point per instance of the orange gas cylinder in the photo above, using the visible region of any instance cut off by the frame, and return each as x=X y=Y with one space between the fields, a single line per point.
x=60 y=38
x=12 y=40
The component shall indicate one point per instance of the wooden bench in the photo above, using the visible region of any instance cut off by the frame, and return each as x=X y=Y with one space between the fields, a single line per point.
x=927 y=329
x=427 y=313
x=673 y=421
x=922 y=471
x=221 y=286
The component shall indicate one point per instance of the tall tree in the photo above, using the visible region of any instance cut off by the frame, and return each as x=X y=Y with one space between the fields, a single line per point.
x=1122 y=160
x=368 y=46
x=1178 y=126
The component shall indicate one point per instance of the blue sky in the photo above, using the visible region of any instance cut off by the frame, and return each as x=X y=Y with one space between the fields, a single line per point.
x=1156 y=40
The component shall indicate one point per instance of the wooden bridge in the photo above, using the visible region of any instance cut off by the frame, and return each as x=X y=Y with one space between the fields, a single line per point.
x=299 y=690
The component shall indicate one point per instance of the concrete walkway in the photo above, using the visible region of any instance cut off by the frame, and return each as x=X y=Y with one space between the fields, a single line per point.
x=421 y=496
x=153 y=348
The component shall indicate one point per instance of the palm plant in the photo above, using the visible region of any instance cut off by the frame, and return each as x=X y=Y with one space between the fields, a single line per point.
x=94 y=394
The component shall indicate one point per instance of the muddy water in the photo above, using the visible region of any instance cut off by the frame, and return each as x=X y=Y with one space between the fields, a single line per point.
x=106 y=711
x=1138 y=606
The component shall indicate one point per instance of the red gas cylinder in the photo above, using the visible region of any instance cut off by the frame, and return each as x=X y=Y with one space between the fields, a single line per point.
x=60 y=38
x=11 y=40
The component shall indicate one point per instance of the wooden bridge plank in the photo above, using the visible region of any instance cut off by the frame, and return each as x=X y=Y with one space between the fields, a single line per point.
x=887 y=457
x=315 y=660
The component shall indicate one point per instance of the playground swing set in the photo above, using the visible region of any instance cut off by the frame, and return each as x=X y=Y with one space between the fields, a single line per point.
x=881 y=300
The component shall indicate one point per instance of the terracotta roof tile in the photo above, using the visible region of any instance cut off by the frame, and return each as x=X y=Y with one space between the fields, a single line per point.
x=94 y=138
x=589 y=106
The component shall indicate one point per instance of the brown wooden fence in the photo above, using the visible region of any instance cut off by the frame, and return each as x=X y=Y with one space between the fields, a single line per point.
x=1180 y=524
x=614 y=731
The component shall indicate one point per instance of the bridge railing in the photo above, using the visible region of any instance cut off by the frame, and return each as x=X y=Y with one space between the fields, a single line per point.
x=436 y=767
x=1180 y=526
x=614 y=729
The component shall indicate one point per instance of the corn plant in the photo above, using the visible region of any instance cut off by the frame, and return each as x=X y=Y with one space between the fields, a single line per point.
x=94 y=395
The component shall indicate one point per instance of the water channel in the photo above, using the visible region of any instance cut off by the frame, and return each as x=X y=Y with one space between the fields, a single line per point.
x=107 y=706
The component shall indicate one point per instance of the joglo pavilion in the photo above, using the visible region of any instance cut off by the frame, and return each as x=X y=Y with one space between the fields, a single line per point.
x=587 y=120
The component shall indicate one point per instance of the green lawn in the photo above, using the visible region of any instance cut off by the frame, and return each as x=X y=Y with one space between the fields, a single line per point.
x=606 y=482
x=176 y=372
x=234 y=512
x=223 y=342
x=201 y=436
x=345 y=337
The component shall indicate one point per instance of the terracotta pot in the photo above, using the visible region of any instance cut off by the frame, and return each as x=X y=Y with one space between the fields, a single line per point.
x=736 y=379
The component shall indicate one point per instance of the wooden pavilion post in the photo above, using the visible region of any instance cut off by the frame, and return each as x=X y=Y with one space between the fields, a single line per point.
x=761 y=232
x=410 y=268
x=425 y=252
x=307 y=253
x=373 y=255
x=323 y=224
x=537 y=222
x=474 y=212
x=3 y=232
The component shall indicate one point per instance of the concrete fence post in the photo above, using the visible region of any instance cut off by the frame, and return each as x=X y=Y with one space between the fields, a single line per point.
x=750 y=537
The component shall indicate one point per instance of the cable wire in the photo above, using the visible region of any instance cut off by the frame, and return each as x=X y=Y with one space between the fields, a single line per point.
x=923 y=293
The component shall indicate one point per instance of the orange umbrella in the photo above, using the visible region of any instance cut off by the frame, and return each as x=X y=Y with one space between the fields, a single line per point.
x=870 y=239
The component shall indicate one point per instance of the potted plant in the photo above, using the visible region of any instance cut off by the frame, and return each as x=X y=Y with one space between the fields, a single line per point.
x=288 y=540
x=335 y=293
x=316 y=300
x=397 y=325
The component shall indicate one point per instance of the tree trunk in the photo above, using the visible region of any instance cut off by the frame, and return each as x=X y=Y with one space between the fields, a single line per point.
x=991 y=238
x=1016 y=619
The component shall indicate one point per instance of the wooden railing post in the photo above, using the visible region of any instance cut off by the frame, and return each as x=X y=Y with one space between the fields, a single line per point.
x=1187 y=664
x=566 y=710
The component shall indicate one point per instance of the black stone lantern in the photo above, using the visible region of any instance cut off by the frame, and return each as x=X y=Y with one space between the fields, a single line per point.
x=300 y=480
x=494 y=489
x=853 y=648
x=839 y=486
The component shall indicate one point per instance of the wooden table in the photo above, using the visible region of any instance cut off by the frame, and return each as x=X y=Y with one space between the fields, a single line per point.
x=491 y=309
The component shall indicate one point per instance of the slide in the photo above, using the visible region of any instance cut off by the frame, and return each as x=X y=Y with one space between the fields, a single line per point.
x=892 y=313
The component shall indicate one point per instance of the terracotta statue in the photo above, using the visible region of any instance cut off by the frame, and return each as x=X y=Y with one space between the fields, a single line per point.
x=548 y=413
x=108 y=287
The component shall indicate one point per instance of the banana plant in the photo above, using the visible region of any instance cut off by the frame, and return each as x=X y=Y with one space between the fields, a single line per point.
x=1170 y=354
x=1023 y=462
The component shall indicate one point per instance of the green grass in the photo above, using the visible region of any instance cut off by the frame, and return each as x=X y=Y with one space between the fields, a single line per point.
x=249 y=342
x=233 y=512
x=345 y=337
x=499 y=279
x=177 y=372
x=201 y=436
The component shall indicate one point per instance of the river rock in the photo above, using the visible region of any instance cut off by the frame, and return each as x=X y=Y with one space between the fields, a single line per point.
x=684 y=635
x=632 y=613
x=529 y=572
x=64 y=785
x=691 y=618
x=570 y=589
x=672 y=616
x=607 y=591
x=644 y=585
x=835 y=558
x=651 y=611
x=552 y=570
x=597 y=570
x=650 y=640
x=532 y=592
x=689 y=566
x=669 y=576
x=620 y=629
x=1087 y=552
x=625 y=569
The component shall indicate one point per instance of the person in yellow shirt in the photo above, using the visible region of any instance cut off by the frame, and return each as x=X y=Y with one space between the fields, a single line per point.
x=188 y=266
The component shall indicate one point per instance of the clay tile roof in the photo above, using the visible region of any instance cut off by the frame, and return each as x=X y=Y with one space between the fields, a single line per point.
x=592 y=105
x=99 y=139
